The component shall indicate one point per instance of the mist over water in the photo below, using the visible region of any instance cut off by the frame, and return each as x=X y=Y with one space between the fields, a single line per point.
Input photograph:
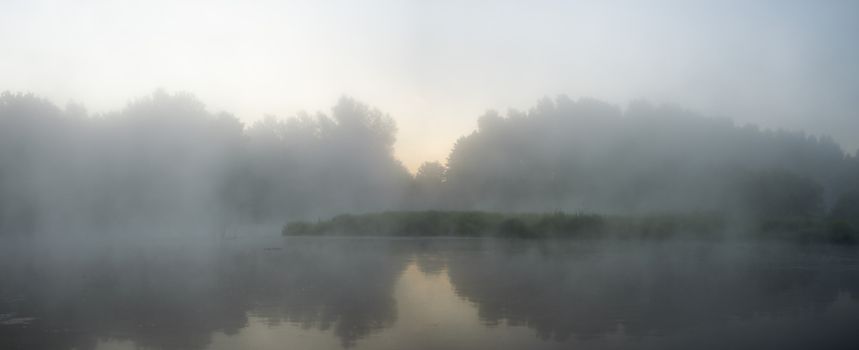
x=379 y=293
x=297 y=174
x=157 y=226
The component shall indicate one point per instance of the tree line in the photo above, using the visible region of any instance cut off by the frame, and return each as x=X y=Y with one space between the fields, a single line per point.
x=166 y=163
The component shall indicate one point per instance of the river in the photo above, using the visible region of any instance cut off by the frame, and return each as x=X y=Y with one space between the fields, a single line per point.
x=388 y=293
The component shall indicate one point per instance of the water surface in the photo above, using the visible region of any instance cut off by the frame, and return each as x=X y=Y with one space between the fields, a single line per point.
x=334 y=293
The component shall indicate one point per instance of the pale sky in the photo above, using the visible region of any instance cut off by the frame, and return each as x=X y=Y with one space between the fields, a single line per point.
x=435 y=66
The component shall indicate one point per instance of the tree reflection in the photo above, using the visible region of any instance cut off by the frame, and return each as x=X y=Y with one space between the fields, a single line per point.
x=179 y=297
x=326 y=285
x=645 y=289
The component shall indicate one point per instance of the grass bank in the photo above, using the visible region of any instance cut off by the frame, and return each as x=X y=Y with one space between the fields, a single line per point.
x=567 y=225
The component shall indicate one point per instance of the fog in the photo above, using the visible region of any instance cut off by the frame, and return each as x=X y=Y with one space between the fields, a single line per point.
x=592 y=156
x=431 y=294
x=428 y=175
x=157 y=226
x=436 y=65
x=166 y=165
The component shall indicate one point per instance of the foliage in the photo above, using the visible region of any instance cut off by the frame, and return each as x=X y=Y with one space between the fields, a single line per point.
x=700 y=225
x=164 y=162
x=588 y=155
x=449 y=223
x=781 y=194
x=846 y=208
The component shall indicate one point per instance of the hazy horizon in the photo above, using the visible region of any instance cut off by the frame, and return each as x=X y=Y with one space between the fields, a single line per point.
x=436 y=67
x=407 y=174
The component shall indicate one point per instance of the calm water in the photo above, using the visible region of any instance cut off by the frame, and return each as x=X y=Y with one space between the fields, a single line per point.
x=304 y=293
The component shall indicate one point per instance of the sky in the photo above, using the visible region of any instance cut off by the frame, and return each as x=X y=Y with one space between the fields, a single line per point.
x=435 y=66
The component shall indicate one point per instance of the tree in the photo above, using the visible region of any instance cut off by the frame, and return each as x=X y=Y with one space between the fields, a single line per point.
x=429 y=185
x=846 y=208
x=776 y=194
x=430 y=174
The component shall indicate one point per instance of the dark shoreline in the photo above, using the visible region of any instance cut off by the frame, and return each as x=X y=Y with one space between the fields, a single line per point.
x=573 y=225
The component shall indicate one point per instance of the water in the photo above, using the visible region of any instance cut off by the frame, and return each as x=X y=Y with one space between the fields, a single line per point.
x=334 y=293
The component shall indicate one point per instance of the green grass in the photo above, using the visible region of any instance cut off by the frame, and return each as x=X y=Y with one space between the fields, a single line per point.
x=513 y=225
x=805 y=230
x=567 y=225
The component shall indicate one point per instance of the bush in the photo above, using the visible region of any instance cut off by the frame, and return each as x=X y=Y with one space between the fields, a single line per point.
x=846 y=208
x=515 y=228
x=841 y=232
x=470 y=224
x=297 y=228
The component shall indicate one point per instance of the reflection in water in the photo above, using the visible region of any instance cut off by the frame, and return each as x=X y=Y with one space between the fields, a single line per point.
x=347 y=290
x=428 y=294
x=663 y=289
x=176 y=298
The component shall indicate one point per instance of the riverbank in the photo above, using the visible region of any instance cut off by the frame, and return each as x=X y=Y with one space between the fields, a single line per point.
x=572 y=225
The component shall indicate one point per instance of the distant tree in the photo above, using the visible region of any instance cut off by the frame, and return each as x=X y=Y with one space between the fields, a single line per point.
x=782 y=194
x=428 y=185
x=585 y=154
x=36 y=148
x=846 y=208
x=430 y=174
x=369 y=125
x=165 y=160
x=321 y=165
